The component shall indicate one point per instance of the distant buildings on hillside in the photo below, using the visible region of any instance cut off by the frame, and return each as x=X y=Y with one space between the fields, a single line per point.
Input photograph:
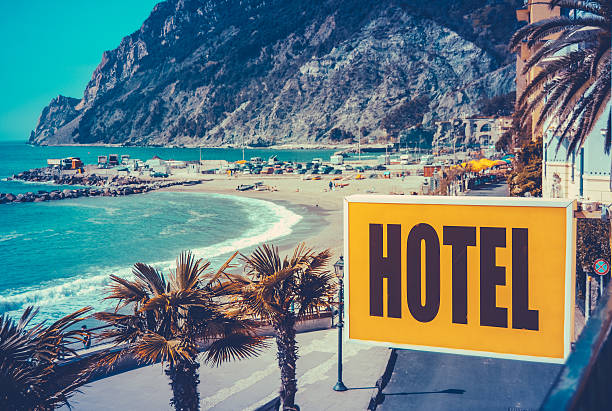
x=471 y=132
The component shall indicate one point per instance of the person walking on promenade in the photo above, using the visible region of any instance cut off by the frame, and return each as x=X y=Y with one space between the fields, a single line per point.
x=86 y=338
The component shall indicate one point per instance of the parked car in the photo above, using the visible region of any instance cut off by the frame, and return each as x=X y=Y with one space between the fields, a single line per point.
x=278 y=171
x=336 y=172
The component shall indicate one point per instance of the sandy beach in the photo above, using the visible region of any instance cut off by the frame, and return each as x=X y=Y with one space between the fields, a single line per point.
x=310 y=198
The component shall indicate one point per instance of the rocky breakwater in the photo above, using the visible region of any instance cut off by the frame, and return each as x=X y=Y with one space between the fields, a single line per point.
x=96 y=186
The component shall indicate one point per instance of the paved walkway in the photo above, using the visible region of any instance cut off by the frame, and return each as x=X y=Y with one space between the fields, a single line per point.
x=247 y=384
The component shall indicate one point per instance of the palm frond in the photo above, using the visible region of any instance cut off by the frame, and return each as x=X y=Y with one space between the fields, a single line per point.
x=592 y=7
x=188 y=271
x=234 y=347
x=222 y=271
x=571 y=87
x=153 y=347
x=315 y=291
x=152 y=279
x=126 y=291
x=264 y=261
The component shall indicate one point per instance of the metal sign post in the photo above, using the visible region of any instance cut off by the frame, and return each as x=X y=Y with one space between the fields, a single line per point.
x=587 y=298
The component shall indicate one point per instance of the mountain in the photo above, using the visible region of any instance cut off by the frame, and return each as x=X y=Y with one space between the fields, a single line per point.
x=212 y=72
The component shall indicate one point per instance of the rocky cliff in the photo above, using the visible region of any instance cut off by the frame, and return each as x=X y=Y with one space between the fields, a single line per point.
x=261 y=71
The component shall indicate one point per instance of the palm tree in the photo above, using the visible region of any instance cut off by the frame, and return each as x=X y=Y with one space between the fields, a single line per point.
x=31 y=377
x=284 y=292
x=172 y=319
x=573 y=85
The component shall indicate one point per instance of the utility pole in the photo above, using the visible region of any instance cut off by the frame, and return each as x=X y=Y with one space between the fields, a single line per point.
x=243 y=147
x=359 y=144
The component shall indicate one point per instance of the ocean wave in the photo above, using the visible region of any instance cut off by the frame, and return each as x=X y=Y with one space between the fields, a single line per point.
x=272 y=221
x=10 y=236
x=279 y=224
x=61 y=291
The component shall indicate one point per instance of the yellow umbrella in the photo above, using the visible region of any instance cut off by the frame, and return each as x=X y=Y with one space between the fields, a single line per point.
x=241 y=161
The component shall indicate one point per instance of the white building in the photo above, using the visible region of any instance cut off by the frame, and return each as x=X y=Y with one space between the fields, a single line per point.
x=585 y=174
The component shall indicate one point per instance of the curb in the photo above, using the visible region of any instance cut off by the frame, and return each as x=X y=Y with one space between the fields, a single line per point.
x=382 y=382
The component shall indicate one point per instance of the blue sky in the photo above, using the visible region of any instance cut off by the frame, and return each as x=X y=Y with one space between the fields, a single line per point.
x=51 y=48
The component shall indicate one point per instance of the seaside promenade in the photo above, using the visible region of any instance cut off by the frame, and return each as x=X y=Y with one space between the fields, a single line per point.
x=251 y=383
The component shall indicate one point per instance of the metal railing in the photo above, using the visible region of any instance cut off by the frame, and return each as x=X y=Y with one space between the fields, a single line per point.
x=584 y=380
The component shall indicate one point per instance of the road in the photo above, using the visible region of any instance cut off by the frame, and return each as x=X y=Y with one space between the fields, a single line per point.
x=491 y=190
x=433 y=381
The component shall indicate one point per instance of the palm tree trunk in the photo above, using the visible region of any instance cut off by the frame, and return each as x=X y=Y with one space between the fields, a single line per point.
x=287 y=357
x=184 y=380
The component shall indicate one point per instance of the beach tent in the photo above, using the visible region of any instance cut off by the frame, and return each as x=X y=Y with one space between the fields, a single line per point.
x=241 y=162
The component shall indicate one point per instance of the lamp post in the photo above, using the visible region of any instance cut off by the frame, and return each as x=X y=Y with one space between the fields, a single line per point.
x=339 y=270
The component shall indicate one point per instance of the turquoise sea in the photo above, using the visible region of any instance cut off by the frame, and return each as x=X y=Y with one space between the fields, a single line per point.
x=58 y=255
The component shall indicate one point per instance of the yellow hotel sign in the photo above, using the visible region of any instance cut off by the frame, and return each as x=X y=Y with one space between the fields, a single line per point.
x=468 y=275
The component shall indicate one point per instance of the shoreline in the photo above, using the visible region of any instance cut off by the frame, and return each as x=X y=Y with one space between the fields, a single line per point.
x=312 y=222
x=286 y=146
x=320 y=226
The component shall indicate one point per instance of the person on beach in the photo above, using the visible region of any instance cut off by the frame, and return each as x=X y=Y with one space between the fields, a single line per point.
x=331 y=186
x=86 y=338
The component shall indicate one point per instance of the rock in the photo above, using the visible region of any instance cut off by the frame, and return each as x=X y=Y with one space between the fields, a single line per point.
x=334 y=69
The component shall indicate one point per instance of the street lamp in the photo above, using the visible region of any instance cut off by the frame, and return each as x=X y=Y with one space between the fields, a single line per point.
x=339 y=270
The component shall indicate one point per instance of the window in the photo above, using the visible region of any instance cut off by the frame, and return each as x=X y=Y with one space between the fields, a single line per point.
x=486 y=127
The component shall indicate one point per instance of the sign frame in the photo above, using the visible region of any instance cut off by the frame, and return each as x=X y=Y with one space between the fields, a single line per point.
x=570 y=256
